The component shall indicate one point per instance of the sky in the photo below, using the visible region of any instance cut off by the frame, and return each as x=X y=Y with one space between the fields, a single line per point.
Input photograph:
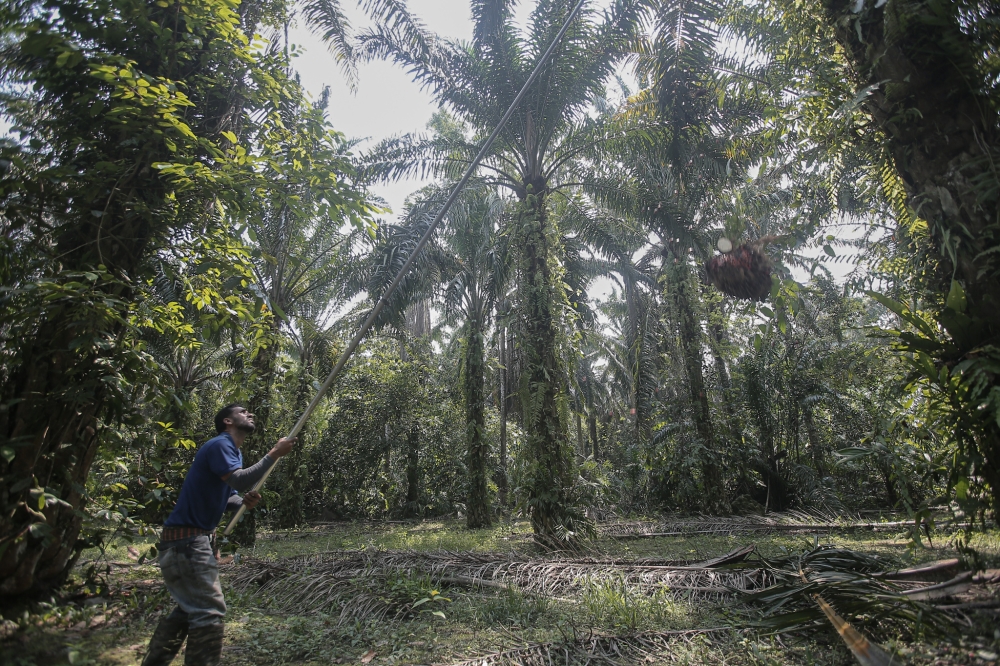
x=387 y=101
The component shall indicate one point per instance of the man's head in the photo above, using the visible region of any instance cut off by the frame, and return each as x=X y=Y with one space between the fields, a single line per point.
x=235 y=415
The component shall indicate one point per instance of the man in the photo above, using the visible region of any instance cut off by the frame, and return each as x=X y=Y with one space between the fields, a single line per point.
x=186 y=550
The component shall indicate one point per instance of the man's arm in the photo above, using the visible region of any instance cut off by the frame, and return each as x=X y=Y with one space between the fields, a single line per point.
x=246 y=478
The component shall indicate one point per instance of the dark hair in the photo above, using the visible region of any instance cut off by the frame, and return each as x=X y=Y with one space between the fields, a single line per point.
x=225 y=413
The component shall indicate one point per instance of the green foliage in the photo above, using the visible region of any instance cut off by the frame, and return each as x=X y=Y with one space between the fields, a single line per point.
x=511 y=607
x=845 y=579
x=954 y=404
x=179 y=224
x=614 y=604
x=123 y=203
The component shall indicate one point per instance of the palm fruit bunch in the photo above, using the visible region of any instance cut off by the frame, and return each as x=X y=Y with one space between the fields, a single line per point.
x=744 y=272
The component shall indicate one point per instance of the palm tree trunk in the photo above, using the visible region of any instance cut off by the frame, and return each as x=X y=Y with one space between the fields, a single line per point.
x=593 y=435
x=58 y=441
x=684 y=291
x=542 y=399
x=502 y=472
x=478 y=505
x=815 y=446
x=291 y=511
x=504 y=398
x=941 y=130
x=942 y=136
x=412 y=472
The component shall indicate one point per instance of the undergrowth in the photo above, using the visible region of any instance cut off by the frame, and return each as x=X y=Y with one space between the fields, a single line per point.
x=444 y=623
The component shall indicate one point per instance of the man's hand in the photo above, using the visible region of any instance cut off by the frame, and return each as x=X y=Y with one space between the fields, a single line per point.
x=283 y=447
x=251 y=498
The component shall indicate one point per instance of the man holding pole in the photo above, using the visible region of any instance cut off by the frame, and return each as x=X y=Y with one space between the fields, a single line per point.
x=187 y=554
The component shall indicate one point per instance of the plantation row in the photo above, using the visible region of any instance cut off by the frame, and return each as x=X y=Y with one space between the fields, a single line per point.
x=793 y=206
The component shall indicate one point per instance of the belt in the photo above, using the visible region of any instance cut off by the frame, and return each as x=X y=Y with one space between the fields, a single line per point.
x=175 y=533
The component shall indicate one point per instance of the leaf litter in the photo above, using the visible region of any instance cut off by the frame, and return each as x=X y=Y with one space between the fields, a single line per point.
x=800 y=592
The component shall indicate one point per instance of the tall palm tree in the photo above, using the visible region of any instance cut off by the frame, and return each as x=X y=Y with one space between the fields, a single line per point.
x=470 y=264
x=670 y=179
x=474 y=286
x=477 y=82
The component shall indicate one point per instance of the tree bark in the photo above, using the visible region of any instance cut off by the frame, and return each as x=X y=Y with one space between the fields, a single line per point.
x=542 y=399
x=684 y=292
x=478 y=505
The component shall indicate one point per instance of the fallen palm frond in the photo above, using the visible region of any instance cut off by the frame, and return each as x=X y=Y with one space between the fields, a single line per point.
x=311 y=583
x=783 y=523
x=849 y=581
x=593 y=649
x=288 y=590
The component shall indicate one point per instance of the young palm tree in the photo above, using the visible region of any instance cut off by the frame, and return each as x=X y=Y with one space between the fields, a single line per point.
x=298 y=256
x=477 y=82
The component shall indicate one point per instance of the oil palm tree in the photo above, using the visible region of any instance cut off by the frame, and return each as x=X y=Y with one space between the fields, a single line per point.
x=298 y=256
x=469 y=264
x=671 y=179
x=474 y=286
x=477 y=82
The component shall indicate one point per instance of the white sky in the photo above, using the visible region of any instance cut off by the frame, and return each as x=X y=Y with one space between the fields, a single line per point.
x=387 y=102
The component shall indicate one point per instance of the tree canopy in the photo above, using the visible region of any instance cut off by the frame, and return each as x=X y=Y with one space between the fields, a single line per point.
x=181 y=227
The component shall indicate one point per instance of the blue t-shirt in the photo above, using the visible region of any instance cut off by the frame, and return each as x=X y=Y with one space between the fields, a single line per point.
x=204 y=494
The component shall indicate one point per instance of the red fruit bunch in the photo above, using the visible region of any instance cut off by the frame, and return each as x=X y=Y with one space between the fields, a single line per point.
x=743 y=273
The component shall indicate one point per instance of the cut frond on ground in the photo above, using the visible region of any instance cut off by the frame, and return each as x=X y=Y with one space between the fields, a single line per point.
x=773 y=523
x=648 y=646
x=315 y=582
x=381 y=584
x=848 y=581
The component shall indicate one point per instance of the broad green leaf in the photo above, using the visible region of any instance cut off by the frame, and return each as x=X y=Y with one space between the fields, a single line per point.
x=892 y=305
x=956 y=297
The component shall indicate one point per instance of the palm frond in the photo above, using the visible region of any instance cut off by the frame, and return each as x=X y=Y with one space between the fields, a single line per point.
x=327 y=18
x=846 y=580
x=313 y=582
x=632 y=649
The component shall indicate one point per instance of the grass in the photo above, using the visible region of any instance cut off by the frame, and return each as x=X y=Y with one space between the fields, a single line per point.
x=114 y=625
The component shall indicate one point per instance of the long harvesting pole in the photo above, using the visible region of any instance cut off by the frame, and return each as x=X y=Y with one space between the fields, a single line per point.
x=383 y=301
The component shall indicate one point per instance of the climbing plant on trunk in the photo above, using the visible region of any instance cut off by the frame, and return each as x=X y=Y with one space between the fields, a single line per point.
x=477 y=82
